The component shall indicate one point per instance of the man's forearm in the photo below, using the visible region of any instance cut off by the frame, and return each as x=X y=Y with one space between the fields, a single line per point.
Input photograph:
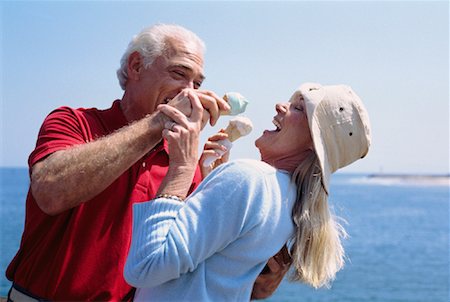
x=69 y=177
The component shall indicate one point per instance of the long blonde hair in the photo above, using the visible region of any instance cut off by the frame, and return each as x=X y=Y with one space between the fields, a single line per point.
x=317 y=251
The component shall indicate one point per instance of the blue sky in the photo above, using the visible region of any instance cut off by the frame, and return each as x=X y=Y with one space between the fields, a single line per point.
x=395 y=55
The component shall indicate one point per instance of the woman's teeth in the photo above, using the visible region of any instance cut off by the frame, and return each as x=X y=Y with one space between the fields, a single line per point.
x=277 y=124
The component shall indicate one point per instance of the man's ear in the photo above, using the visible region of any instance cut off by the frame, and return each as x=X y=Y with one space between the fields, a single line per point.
x=134 y=65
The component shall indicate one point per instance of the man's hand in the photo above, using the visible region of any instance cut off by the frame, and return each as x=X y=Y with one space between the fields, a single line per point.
x=209 y=100
x=272 y=275
x=213 y=104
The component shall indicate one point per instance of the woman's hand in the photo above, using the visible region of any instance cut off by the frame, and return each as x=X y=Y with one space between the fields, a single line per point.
x=182 y=135
x=213 y=149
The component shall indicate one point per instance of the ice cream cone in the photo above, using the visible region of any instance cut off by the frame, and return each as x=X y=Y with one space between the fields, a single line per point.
x=237 y=102
x=237 y=127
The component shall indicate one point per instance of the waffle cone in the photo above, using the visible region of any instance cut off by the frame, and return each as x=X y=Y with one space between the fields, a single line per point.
x=233 y=132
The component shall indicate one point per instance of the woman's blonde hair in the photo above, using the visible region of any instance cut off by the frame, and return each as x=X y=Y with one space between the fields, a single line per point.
x=317 y=251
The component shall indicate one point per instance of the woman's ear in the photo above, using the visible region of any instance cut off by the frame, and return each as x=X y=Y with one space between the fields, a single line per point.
x=134 y=65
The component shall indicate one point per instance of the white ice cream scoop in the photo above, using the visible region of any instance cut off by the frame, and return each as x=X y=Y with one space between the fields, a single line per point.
x=237 y=127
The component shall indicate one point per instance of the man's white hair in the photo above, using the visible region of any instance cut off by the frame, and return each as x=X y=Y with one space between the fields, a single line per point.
x=151 y=43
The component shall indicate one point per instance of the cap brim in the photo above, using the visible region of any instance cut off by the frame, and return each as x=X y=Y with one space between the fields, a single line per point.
x=313 y=94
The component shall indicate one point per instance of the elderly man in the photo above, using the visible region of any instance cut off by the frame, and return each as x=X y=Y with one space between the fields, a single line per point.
x=89 y=166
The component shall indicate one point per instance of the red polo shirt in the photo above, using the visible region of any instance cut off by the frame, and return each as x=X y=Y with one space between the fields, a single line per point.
x=79 y=254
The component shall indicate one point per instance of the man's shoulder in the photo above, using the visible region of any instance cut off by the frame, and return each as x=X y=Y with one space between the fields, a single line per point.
x=72 y=111
x=109 y=119
x=81 y=110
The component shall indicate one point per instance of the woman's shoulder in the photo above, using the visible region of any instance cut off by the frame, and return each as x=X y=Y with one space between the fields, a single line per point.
x=252 y=170
x=249 y=166
x=248 y=170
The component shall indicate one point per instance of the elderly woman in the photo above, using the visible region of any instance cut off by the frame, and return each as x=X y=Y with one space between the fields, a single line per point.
x=213 y=245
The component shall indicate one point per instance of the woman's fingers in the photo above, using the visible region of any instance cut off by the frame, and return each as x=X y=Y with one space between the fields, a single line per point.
x=197 y=108
x=214 y=142
x=173 y=113
x=218 y=136
x=178 y=116
x=182 y=102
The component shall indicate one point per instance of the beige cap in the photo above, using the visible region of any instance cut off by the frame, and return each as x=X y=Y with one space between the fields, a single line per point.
x=339 y=126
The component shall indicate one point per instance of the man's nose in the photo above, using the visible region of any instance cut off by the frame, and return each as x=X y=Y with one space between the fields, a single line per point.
x=189 y=84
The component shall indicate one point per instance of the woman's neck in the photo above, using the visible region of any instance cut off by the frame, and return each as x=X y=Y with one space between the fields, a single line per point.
x=288 y=163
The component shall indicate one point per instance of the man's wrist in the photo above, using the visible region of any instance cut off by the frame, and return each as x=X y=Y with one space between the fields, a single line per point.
x=160 y=119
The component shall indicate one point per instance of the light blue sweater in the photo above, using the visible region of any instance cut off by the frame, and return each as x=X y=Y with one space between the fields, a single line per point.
x=213 y=246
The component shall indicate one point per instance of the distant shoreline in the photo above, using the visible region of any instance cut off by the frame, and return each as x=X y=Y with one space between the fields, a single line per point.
x=399 y=175
x=432 y=179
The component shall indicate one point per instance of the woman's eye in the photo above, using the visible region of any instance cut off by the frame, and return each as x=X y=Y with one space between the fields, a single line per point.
x=299 y=108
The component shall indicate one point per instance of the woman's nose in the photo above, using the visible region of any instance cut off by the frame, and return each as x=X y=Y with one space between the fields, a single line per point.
x=281 y=107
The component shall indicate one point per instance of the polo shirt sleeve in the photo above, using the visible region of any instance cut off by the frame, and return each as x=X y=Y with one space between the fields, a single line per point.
x=170 y=238
x=62 y=128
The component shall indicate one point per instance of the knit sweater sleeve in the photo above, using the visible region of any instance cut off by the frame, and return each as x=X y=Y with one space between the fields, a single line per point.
x=170 y=238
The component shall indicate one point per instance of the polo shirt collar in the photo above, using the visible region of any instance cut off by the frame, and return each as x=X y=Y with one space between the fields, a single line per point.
x=114 y=117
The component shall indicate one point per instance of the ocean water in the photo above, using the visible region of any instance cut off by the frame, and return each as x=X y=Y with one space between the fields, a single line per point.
x=398 y=249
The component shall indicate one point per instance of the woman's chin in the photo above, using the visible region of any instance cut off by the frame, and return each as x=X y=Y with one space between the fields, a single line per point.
x=258 y=141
